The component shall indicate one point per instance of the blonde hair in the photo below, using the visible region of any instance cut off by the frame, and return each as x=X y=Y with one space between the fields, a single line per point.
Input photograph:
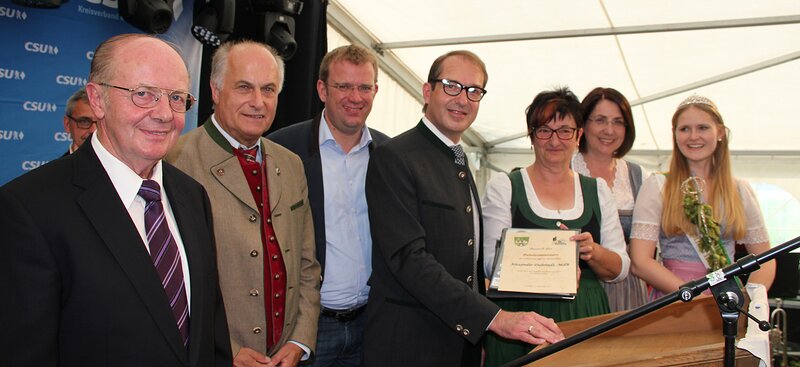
x=721 y=194
x=354 y=54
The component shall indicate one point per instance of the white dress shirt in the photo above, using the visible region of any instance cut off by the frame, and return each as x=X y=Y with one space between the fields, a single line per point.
x=127 y=184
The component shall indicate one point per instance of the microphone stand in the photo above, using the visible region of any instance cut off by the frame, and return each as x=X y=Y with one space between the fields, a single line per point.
x=724 y=287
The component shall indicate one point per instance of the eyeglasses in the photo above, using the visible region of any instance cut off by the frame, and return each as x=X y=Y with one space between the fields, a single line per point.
x=604 y=121
x=347 y=87
x=563 y=133
x=454 y=88
x=146 y=96
x=83 y=122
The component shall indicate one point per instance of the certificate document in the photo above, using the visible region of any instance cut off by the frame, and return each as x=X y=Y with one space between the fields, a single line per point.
x=535 y=263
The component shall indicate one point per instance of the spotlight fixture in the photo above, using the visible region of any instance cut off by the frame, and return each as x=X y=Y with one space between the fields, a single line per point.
x=44 y=4
x=291 y=7
x=213 y=21
x=151 y=16
x=279 y=33
x=274 y=23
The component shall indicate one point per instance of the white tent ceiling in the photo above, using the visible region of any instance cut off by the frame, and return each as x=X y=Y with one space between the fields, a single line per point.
x=741 y=53
x=751 y=72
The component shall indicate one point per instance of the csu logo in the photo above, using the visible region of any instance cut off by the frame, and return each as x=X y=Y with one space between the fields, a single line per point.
x=11 y=135
x=41 y=48
x=90 y=55
x=12 y=13
x=29 y=165
x=70 y=80
x=34 y=106
x=62 y=136
x=12 y=74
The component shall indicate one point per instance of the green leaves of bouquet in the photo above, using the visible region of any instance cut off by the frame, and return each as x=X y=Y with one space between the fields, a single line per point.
x=702 y=216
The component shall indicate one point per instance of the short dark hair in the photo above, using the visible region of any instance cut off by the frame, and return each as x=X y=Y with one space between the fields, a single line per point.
x=549 y=105
x=612 y=95
x=436 y=67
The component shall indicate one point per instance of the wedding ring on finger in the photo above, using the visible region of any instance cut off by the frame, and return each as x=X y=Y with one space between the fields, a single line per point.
x=531 y=330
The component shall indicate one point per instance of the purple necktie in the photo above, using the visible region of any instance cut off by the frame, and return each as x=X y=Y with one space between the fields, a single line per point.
x=165 y=255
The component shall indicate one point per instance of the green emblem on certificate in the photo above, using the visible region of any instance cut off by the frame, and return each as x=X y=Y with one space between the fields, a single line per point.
x=535 y=263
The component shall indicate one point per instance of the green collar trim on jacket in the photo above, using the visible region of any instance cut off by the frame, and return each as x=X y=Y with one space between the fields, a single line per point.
x=217 y=137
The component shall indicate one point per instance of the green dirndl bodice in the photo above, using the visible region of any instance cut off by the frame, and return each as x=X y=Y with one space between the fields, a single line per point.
x=591 y=299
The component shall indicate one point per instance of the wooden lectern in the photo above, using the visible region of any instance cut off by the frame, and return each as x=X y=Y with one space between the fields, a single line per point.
x=681 y=334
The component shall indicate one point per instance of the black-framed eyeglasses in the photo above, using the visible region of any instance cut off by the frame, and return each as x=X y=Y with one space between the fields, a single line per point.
x=563 y=133
x=145 y=96
x=605 y=121
x=83 y=122
x=454 y=88
x=347 y=87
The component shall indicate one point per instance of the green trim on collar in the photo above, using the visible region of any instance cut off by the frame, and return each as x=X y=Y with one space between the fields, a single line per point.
x=217 y=137
x=591 y=203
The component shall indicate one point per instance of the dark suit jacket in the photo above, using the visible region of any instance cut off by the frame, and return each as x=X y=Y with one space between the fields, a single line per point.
x=79 y=287
x=303 y=139
x=422 y=310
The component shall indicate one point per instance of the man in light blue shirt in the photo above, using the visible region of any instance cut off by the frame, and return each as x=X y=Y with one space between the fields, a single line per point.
x=335 y=148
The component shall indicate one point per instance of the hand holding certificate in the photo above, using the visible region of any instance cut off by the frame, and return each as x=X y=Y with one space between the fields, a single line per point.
x=535 y=263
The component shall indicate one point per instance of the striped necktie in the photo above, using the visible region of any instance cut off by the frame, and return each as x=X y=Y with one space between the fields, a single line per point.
x=165 y=255
x=249 y=154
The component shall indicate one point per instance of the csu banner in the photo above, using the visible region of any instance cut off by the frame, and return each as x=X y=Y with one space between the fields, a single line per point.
x=45 y=56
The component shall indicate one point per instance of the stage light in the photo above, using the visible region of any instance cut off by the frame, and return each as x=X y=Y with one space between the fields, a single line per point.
x=275 y=24
x=291 y=7
x=279 y=33
x=46 y=4
x=151 y=16
x=213 y=21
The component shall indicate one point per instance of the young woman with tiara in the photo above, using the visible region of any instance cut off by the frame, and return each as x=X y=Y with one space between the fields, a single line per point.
x=697 y=211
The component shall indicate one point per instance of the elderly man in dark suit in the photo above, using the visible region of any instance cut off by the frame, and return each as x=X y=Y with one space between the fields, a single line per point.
x=335 y=148
x=107 y=255
x=426 y=307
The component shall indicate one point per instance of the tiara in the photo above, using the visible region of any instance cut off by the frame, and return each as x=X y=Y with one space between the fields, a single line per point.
x=697 y=99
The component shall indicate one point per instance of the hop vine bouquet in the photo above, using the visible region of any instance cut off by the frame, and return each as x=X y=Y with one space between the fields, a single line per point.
x=702 y=216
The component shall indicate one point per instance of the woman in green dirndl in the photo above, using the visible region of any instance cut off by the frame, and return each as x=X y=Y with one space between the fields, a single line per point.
x=548 y=194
